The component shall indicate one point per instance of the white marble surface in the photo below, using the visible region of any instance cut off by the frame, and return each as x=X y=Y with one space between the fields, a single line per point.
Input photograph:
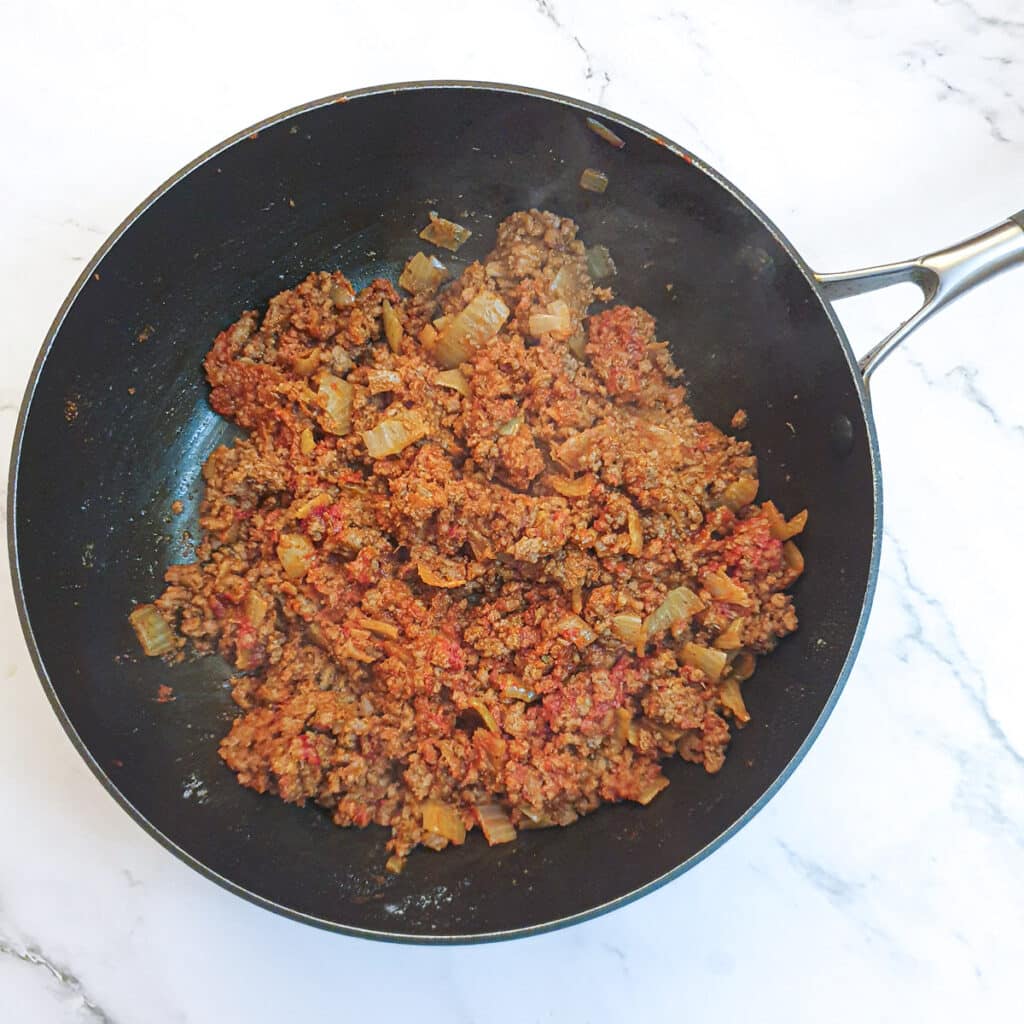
x=885 y=881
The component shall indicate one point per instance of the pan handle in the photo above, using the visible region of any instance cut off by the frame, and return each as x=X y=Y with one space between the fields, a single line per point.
x=942 y=277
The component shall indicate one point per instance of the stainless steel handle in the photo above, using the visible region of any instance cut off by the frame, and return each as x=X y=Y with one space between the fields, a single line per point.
x=942 y=277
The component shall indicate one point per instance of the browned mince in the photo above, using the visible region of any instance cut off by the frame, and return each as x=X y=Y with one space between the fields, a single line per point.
x=454 y=635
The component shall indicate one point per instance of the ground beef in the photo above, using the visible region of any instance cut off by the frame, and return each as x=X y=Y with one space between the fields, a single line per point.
x=462 y=631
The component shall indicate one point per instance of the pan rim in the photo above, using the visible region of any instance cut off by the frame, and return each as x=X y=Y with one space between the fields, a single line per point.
x=396 y=936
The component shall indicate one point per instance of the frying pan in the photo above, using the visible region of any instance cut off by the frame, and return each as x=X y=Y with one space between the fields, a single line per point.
x=115 y=425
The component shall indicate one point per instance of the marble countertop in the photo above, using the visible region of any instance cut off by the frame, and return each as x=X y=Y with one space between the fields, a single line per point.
x=884 y=882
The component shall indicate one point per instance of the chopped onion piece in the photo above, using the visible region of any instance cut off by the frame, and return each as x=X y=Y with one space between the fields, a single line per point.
x=151 y=628
x=623 y=720
x=651 y=789
x=577 y=599
x=394 y=864
x=423 y=273
x=305 y=365
x=485 y=715
x=470 y=328
x=445 y=233
x=602 y=131
x=722 y=588
x=434 y=579
x=740 y=493
x=395 y=433
x=494 y=823
x=557 y=320
x=731 y=638
x=707 y=659
x=255 y=608
x=600 y=264
x=342 y=295
x=793 y=556
x=379 y=381
x=516 y=691
x=593 y=181
x=627 y=628
x=307 y=443
x=679 y=604
x=295 y=552
x=743 y=666
x=732 y=700
x=336 y=398
x=454 y=379
x=636 y=531
x=576 y=630
x=577 y=487
x=392 y=327
x=577 y=344
x=443 y=820
x=782 y=530
x=378 y=626
x=510 y=427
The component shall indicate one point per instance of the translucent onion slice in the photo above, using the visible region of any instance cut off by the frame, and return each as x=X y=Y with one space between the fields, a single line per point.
x=445 y=233
x=395 y=433
x=306 y=364
x=295 y=552
x=423 y=273
x=392 y=327
x=516 y=691
x=679 y=604
x=255 y=608
x=636 y=531
x=469 y=329
x=602 y=131
x=793 y=556
x=711 y=662
x=307 y=443
x=557 y=320
x=740 y=493
x=732 y=700
x=600 y=264
x=435 y=579
x=454 y=379
x=623 y=720
x=627 y=628
x=577 y=487
x=780 y=528
x=336 y=399
x=731 y=638
x=494 y=823
x=510 y=427
x=722 y=588
x=443 y=820
x=593 y=181
x=575 y=629
x=651 y=789
x=485 y=715
x=155 y=636
x=378 y=626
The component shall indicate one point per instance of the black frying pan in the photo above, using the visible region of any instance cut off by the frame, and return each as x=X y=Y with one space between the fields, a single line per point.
x=346 y=183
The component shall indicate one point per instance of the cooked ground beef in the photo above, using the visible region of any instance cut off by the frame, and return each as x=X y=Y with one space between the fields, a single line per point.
x=499 y=593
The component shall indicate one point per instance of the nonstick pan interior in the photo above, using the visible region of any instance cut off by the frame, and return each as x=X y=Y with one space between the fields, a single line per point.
x=117 y=427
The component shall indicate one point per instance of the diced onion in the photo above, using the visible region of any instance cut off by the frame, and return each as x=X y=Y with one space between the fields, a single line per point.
x=255 y=608
x=305 y=365
x=707 y=659
x=295 y=552
x=423 y=274
x=577 y=599
x=679 y=604
x=602 y=131
x=468 y=329
x=740 y=493
x=627 y=628
x=510 y=427
x=623 y=718
x=636 y=531
x=392 y=327
x=743 y=666
x=379 y=381
x=593 y=181
x=151 y=628
x=394 y=864
x=434 y=579
x=443 y=820
x=732 y=699
x=578 y=631
x=378 y=626
x=516 y=691
x=780 y=528
x=557 y=320
x=494 y=823
x=651 y=789
x=731 y=638
x=342 y=295
x=336 y=398
x=722 y=588
x=395 y=433
x=600 y=264
x=577 y=487
x=793 y=556
x=485 y=715
x=577 y=344
x=454 y=379
x=307 y=442
x=445 y=233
